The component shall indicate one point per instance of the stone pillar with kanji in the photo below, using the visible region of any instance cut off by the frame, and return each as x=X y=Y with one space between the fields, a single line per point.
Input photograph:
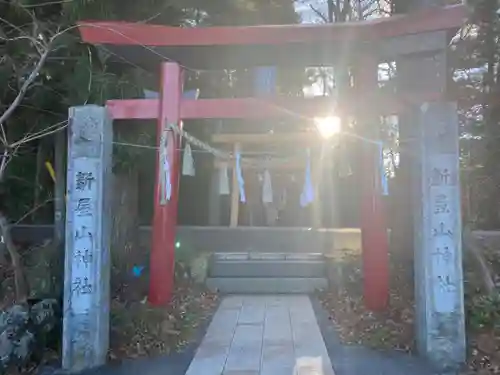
x=87 y=245
x=439 y=293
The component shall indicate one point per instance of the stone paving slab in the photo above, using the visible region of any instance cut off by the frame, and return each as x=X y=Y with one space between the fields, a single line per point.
x=263 y=335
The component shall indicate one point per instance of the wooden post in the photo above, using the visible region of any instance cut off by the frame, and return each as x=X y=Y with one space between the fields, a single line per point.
x=166 y=187
x=235 y=194
x=215 y=201
x=343 y=82
x=214 y=198
x=317 y=177
x=60 y=142
x=60 y=186
x=334 y=208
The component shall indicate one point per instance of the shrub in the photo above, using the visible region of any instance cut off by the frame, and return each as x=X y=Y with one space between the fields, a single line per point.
x=25 y=332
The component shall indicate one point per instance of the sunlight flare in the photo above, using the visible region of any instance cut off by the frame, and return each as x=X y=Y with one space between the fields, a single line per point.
x=328 y=126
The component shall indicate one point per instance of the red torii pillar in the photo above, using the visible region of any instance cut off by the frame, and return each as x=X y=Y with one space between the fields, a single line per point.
x=374 y=239
x=162 y=259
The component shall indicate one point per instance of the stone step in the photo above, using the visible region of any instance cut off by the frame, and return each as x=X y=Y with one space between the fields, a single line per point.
x=265 y=285
x=267 y=268
x=264 y=256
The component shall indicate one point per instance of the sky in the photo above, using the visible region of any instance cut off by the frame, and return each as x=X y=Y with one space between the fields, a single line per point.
x=303 y=7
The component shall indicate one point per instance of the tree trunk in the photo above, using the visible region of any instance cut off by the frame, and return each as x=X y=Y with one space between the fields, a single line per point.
x=19 y=276
x=330 y=10
x=37 y=191
x=125 y=250
x=6 y=243
x=60 y=149
x=491 y=121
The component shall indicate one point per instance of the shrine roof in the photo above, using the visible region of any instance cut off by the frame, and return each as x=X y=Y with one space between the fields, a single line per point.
x=306 y=45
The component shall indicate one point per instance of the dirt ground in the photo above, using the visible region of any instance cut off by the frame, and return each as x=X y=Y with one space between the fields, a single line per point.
x=391 y=329
x=139 y=330
x=136 y=328
x=394 y=328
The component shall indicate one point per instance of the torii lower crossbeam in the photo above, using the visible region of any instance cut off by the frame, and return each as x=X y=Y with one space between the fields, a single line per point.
x=260 y=108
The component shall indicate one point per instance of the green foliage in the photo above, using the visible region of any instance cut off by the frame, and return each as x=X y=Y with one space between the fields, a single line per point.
x=484 y=312
x=184 y=256
x=18 y=185
x=26 y=330
x=74 y=74
x=77 y=74
x=130 y=133
x=476 y=85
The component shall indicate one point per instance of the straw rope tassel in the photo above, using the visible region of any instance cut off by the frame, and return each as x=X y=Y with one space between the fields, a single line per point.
x=307 y=195
x=267 y=188
x=188 y=162
x=223 y=179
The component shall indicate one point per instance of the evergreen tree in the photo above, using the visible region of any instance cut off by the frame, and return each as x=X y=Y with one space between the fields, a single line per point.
x=477 y=84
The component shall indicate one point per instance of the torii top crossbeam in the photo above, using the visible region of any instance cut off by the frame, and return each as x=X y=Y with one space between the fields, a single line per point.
x=293 y=45
x=299 y=45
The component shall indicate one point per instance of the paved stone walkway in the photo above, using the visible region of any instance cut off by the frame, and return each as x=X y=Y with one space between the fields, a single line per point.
x=269 y=335
x=263 y=335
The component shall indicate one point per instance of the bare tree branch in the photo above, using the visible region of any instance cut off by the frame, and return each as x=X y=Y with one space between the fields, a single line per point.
x=24 y=88
x=21 y=31
x=42 y=41
x=44 y=49
x=3 y=163
x=36 y=208
x=318 y=13
x=17 y=38
x=48 y=3
x=50 y=130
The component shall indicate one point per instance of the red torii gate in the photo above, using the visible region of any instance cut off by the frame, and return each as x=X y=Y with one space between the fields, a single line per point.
x=300 y=45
